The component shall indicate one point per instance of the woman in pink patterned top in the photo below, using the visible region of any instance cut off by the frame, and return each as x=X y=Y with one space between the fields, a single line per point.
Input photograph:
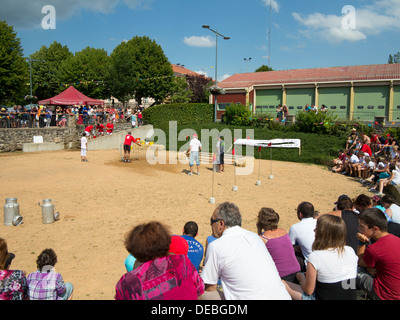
x=161 y=276
x=13 y=284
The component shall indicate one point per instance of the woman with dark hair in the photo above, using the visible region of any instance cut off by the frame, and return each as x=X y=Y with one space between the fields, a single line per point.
x=278 y=244
x=13 y=284
x=161 y=275
x=332 y=265
x=45 y=283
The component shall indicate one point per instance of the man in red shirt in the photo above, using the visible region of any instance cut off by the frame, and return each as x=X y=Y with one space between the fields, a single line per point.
x=383 y=256
x=110 y=128
x=88 y=130
x=366 y=148
x=100 y=128
x=127 y=146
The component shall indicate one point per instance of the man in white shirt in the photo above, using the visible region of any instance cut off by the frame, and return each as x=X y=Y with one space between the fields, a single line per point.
x=302 y=233
x=194 y=149
x=240 y=259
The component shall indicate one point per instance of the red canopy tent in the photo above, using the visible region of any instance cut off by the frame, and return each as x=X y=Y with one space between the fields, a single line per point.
x=69 y=97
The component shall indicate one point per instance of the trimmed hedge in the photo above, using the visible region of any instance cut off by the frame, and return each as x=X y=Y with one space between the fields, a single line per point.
x=184 y=113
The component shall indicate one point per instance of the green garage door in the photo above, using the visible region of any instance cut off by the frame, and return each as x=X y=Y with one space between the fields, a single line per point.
x=296 y=99
x=370 y=102
x=396 y=103
x=268 y=100
x=337 y=100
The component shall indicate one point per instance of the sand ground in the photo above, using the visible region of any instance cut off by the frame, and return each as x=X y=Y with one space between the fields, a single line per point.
x=99 y=201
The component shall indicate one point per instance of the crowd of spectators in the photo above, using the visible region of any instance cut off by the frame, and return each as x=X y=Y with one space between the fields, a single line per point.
x=373 y=160
x=350 y=253
x=57 y=116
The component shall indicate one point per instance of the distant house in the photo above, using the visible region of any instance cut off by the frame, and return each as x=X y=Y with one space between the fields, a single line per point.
x=353 y=92
x=179 y=71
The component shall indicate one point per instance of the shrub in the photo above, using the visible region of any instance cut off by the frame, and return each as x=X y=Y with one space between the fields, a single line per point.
x=184 y=113
x=237 y=115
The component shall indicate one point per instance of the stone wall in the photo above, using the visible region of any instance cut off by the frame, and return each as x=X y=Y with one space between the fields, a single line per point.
x=12 y=139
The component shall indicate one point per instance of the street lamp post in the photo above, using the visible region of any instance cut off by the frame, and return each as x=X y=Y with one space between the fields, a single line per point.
x=30 y=75
x=247 y=60
x=216 y=64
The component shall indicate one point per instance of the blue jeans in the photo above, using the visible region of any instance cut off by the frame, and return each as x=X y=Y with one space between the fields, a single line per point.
x=194 y=157
x=68 y=291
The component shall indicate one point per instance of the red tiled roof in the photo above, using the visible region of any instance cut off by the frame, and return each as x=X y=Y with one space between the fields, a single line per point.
x=182 y=70
x=331 y=74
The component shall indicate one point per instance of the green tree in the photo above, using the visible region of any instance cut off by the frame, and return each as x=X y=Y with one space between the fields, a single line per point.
x=87 y=71
x=14 y=71
x=395 y=58
x=139 y=68
x=264 y=68
x=120 y=78
x=47 y=71
x=180 y=92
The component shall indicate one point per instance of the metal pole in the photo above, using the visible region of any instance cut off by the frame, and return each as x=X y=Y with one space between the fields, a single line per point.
x=216 y=74
x=216 y=65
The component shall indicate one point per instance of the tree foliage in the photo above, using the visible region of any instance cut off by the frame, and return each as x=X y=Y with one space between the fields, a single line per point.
x=264 y=68
x=139 y=68
x=199 y=86
x=180 y=92
x=47 y=70
x=395 y=58
x=87 y=70
x=14 y=71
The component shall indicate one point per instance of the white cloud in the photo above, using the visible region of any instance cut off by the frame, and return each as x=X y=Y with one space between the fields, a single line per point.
x=134 y=4
x=222 y=78
x=204 y=42
x=201 y=72
x=28 y=13
x=273 y=3
x=374 y=19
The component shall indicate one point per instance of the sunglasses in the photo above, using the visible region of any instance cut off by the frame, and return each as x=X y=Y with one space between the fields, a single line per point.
x=212 y=221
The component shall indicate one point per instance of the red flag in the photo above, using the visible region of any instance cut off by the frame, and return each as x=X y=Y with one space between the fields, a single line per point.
x=259 y=149
x=233 y=151
x=214 y=157
x=270 y=144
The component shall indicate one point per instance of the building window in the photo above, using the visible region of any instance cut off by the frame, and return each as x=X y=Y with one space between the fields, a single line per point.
x=381 y=107
x=360 y=107
x=223 y=106
x=343 y=107
x=370 y=107
x=333 y=107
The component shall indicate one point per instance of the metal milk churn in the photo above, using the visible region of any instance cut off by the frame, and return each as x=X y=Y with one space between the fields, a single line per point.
x=48 y=215
x=11 y=212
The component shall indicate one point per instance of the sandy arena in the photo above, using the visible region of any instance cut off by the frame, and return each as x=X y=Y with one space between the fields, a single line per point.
x=101 y=200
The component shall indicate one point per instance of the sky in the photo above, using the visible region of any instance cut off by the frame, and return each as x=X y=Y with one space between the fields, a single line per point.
x=287 y=34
